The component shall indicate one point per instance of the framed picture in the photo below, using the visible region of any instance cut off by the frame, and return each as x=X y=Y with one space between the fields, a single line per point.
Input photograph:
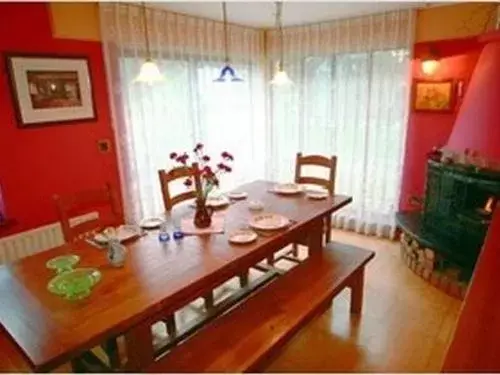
x=49 y=90
x=434 y=96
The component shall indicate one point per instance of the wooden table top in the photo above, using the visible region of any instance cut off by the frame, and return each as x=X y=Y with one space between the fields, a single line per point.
x=157 y=278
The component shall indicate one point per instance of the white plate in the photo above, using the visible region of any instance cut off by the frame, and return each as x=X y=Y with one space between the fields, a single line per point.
x=242 y=236
x=287 y=189
x=217 y=202
x=151 y=223
x=268 y=221
x=317 y=195
x=122 y=233
x=237 y=195
x=214 y=202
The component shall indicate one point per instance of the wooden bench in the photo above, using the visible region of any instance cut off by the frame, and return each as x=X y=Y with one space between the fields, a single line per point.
x=11 y=358
x=247 y=336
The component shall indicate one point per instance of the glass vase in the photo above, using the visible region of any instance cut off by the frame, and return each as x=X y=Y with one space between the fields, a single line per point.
x=203 y=214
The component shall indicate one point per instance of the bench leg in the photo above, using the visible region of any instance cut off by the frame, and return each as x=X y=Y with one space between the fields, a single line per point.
x=357 y=287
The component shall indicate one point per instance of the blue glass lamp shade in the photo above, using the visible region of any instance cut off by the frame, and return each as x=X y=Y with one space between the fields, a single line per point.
x=226 y=71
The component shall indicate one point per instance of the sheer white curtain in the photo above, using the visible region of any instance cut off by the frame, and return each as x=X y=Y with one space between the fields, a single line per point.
x=350 y=99
x=152 y=121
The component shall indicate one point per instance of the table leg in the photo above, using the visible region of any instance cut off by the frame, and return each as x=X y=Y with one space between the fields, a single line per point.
x=139 y=344
x=315 y=237
x=357 y=287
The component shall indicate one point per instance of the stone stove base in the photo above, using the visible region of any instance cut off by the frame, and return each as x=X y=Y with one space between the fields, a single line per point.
x=430 y=266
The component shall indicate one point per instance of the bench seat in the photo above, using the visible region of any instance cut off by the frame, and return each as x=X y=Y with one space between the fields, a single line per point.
x=247 y=336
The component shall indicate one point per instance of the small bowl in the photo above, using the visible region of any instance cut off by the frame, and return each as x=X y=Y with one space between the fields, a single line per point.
x=255 y=206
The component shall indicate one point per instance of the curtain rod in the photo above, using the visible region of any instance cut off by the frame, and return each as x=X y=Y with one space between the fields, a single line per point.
x=266 y=29
x=343 y=19
x=188 y=15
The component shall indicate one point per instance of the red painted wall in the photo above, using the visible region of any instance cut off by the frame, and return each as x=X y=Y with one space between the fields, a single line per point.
x=426 y=130
x=37 y=163
x=478 y=123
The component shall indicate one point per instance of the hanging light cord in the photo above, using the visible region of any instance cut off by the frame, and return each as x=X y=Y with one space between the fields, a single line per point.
x=145 y=20
x=279 y=26
x=226 y=44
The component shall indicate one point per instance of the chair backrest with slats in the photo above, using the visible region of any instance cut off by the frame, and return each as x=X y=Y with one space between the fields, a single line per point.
x=166 y=177
x=101 y=200
x=319 y=161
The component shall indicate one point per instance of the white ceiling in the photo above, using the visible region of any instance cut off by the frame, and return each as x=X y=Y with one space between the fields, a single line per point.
x=261 y=13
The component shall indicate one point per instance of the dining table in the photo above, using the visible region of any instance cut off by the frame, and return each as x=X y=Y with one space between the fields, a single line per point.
x=157 y=279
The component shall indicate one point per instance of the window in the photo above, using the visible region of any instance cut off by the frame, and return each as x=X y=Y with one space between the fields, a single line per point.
x=189 y=107
x=351 y=105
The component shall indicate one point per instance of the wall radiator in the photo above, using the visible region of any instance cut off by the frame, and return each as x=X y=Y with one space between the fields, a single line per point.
x=29 y=242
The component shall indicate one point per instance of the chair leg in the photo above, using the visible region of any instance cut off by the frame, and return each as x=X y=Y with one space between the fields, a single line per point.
x=209 y=300
x=77 y=366
x=270 y=260
x=88 y=362
x=171 y=326
x=111 y=349
x=244 y=279
x=328 y=229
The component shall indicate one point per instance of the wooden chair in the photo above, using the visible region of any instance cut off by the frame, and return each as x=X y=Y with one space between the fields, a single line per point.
x=71 y=205
x=328 y=184
x=79 y=203
x=170 y=201
x=167 y=177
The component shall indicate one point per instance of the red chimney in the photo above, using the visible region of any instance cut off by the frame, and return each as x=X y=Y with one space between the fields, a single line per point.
x=477 y=126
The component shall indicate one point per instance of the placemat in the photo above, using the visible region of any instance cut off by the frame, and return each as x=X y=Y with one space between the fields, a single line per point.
x=217 y=226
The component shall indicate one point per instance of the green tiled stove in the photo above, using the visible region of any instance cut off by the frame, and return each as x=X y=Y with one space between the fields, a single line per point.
x=442 y=241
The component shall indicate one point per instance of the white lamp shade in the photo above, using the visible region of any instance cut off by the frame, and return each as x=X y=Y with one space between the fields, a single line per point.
x=281 y=78
x=149 y=73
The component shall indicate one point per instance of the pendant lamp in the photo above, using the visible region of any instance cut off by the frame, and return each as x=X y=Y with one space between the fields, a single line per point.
x=149 y=73
x=280 y=77
x=227 y=70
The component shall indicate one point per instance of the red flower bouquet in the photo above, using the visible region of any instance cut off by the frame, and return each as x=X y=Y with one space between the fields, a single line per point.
x=209 y=178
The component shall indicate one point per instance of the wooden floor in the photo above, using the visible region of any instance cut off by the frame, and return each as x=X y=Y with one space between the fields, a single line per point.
x=405 y=327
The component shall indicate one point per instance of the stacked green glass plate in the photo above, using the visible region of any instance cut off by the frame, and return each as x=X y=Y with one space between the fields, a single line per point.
x=63 y=263
x=76 y=284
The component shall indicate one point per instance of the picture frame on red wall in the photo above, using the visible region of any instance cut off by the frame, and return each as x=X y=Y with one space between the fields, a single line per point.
x=434 y=96
x=50 y=89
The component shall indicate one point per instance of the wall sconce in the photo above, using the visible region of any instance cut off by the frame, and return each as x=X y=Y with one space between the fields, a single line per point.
x=430 y=63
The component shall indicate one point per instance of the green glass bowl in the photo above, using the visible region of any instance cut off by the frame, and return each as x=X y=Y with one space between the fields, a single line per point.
x=63 y=263
x=75 y=284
